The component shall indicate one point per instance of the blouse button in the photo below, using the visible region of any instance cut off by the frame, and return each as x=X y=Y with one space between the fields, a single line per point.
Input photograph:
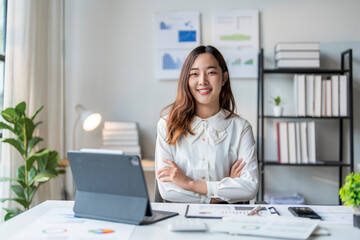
x=203 y=159
x=203 y=139
x=212 y=194
x=203 y=178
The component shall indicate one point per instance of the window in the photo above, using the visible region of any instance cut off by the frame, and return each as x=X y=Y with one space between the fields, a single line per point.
x=3 y=8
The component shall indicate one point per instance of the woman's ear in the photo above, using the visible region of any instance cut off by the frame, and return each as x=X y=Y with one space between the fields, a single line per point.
x=225 y=78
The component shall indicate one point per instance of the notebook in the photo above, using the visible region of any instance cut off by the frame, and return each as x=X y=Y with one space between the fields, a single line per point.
x=112 y=187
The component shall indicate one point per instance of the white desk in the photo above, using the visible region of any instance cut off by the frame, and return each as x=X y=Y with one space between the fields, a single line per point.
x=159 y=229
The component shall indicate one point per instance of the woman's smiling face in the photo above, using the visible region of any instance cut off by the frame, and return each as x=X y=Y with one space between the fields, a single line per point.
x=206 y=80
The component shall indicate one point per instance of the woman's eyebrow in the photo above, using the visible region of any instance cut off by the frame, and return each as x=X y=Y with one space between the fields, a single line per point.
x=198 y=68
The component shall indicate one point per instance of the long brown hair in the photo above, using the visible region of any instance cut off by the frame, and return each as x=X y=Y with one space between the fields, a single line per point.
x=183 y=109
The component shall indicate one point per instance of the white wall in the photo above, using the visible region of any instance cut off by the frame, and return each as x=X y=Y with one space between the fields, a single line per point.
x=110 y=68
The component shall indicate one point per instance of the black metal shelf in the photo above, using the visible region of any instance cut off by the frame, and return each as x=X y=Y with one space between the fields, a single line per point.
x=306 y=117
x=340 y=163
x=317 y=164
x=304 y=71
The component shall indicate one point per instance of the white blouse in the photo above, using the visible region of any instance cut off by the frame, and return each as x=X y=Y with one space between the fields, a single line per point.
x=208 y=156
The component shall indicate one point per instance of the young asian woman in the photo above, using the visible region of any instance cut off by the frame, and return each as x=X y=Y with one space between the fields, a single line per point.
x=205 y=153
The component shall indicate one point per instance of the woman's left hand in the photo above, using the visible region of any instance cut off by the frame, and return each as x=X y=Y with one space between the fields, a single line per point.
x=173 y=174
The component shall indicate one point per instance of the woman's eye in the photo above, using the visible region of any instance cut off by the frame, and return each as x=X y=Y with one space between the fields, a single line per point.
x=193 y=74
x=212 y=72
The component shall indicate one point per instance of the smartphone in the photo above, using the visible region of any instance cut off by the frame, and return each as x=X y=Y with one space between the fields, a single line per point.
x=304 y=212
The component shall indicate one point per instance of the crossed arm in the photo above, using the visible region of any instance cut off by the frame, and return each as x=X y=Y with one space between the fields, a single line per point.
x=176 y=175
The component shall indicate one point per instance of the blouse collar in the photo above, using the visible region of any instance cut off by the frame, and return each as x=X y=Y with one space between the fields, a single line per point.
x=214 y=127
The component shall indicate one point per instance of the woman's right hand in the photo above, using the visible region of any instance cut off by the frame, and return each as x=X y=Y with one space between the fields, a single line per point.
x=236 y=168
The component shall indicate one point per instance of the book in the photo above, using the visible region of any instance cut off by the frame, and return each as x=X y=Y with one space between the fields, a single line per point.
x=298 y=63
x=120 y=138
x=311 y=142
x=284 y=140
x=118 y=132
x=310 y=95
x=300 y=102
x=298 y=142
x=120 y=125
x=292 y=142
x=304 y=147
x=335 y=95
x=317 y=96
x=303 y=46
x=323 y=98
x=343 y=95
x=328 y=98
x=297 y=55
x=278 y=141
x=120 y=143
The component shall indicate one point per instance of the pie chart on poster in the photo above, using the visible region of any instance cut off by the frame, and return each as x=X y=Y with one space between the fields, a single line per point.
x=101 y=231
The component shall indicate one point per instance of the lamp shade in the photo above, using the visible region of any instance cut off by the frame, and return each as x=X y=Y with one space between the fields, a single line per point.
x=89 y=119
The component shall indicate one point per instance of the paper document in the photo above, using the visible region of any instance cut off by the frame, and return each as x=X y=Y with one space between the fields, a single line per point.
x=338 y=214
x=270 y=226
x=60 y=223
x=221 y=210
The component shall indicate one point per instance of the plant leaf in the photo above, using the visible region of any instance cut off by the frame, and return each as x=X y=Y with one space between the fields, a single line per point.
x=18 y=190
x=20 y=109
x=53 y=160
x=7 y=179
x=21 y=201
x=5 y=126
x=20 y=174
x=33 y=142
x=12 y=212
x=42 y=177
x=37 y=155
x=15 y=144
x=10 y=115
x=38 y=123
x=32 y=191
x=36 y=113
x=31 y=175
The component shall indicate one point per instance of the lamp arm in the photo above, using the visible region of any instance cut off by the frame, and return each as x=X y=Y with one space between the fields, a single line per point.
x=74 y=132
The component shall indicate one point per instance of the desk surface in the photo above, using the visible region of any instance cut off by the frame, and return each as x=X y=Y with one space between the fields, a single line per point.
x=159 y=229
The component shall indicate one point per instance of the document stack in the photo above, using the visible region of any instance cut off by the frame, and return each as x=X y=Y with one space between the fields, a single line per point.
x=286 y=199
x=297 y=55
x=296 y=142
x=317 y=97
x=122 y=136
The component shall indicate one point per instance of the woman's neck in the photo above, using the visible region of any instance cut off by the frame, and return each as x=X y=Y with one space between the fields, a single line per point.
x=206 y=111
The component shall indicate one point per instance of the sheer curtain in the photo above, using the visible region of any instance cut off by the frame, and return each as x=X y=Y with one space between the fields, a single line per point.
x=34 y=73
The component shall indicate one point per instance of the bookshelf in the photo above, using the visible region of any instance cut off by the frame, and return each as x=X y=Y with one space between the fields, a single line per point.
x=262 y=119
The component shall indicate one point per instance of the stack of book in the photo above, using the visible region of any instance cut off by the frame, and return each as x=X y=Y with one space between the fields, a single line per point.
x=296 y=142
x=317 y=97
x=122 y=136
x=297 y=55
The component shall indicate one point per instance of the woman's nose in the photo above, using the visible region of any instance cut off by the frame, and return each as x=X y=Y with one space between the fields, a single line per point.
x=202 y=79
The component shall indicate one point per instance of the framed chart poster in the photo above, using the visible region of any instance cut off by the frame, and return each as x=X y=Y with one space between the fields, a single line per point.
x=177 y=33
x=236 y=35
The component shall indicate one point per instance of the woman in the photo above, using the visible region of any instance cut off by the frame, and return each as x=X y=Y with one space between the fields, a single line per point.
x=205 y=153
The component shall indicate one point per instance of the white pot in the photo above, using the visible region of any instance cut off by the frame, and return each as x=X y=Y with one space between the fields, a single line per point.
x=278 y=110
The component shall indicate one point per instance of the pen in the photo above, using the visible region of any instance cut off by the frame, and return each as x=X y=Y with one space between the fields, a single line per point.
x=273 y=211
x=254 y=211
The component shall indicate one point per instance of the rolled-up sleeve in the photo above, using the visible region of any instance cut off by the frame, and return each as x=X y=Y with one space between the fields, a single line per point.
x=245 y=187
x=168 y=190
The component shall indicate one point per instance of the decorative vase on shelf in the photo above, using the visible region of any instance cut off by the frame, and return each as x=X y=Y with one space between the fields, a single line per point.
x=278 y=111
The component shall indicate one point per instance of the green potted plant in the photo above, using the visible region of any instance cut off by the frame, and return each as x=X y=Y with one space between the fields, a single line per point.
x=278 y=109
x=350 y=195
x=39 y=167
